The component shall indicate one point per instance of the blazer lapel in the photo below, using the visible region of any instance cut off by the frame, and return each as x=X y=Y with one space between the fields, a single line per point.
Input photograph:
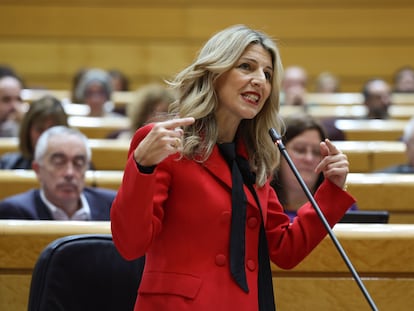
x=41 y=208
x=219 y=168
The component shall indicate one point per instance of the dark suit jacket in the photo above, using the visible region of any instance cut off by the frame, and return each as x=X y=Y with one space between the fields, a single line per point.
x=29 y=205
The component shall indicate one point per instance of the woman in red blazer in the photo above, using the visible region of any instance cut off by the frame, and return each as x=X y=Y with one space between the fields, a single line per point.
x=175 y=202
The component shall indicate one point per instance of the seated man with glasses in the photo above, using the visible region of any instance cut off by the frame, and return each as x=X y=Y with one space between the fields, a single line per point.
x=61 y=159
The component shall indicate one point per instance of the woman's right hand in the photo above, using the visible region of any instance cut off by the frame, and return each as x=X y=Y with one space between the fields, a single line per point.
x=164 y=139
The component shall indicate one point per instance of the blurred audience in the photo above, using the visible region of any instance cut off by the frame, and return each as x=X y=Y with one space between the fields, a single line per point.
x=61 y=159
x=294 y=86
x=120 y=81
x=327 y=82
x=12 y=108
x=408 y=139
x=6 y=70
x=302 y=138
x=150 y=104
x=75 y=82
x=95 y=90
x=404 y=80
x=377 y=98
x=42 y=114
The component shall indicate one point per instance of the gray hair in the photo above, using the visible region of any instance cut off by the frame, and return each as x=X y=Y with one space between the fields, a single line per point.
x=94 y=75
x=63 y=131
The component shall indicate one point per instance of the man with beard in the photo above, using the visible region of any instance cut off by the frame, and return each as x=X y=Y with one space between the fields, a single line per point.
x=377 y=98
x=62 y=157
x=11 y=104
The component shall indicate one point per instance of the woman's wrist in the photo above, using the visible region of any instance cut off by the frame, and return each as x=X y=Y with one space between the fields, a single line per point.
x=145 y=169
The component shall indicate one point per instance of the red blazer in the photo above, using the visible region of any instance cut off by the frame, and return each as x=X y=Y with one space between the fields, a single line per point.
x=179 y=217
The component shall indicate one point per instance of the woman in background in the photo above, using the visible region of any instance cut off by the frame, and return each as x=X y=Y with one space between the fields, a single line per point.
x=302 y=138
x=42 y=114
x=150 y=104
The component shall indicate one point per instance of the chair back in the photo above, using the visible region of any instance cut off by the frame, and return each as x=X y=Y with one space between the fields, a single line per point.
x=84 y=272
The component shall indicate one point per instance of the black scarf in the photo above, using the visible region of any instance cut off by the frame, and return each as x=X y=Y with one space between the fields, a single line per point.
x=241 y=173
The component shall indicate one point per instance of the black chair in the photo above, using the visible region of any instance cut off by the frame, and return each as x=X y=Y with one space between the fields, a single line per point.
x=84 y=272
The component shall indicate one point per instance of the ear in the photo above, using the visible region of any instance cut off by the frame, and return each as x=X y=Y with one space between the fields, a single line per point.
x=35 y=167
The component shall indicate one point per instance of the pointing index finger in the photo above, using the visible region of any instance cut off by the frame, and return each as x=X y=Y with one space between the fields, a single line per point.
x=174 y=123
x=331 y=147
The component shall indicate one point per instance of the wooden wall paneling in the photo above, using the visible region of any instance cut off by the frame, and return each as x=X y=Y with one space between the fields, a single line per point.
x=52 y=39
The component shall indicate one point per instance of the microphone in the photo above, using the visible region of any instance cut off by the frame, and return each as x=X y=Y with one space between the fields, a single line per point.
x=277 y=139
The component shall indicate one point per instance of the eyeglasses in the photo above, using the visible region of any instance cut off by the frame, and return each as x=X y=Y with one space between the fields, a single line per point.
x=301 y=151
x=60 y=161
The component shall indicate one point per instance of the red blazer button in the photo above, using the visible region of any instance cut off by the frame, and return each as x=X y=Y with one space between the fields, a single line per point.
x=252 y=222
x=221 y=260
x=251 y=265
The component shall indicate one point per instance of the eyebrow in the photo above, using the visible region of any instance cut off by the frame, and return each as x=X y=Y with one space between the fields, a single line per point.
x=255 y=61
x=62 y=154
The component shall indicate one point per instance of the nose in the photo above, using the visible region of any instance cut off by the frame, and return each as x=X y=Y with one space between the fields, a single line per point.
x=69 y=169
x=258 y=79
x=309 y=156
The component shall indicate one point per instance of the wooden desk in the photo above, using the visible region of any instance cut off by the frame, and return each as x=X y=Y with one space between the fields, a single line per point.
x=372 y=129
x=357 y=111
x=383 y=191
x=350 y=98
x=21 y=243
x=107 y=154
x=120 y=99
x=373 y=191
x=98 y=127
x=363 y=156
x=334 y=99
x=381 y=254
x=370 y=156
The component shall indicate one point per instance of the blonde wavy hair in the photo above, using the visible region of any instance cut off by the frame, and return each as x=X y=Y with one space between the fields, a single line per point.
x=196 y=97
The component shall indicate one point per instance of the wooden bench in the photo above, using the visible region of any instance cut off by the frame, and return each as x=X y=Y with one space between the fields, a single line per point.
x=99 y=127
x=373 y=191
x=120 y=99
x=397 y=112
x=381 y=254
x=363 y=156
x=370 y=156
x=384 y=191
x=107 y=154
x=353 y=98
x=324 y=99
x=21 y=242
x=372 y=129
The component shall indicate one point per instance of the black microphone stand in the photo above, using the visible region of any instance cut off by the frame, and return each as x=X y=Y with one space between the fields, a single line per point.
x=278 y=141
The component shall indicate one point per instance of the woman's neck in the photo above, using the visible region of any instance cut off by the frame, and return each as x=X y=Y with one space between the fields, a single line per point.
x=227 y=128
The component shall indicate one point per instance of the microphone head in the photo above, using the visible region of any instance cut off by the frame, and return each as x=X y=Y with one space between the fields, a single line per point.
x=274 y=135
